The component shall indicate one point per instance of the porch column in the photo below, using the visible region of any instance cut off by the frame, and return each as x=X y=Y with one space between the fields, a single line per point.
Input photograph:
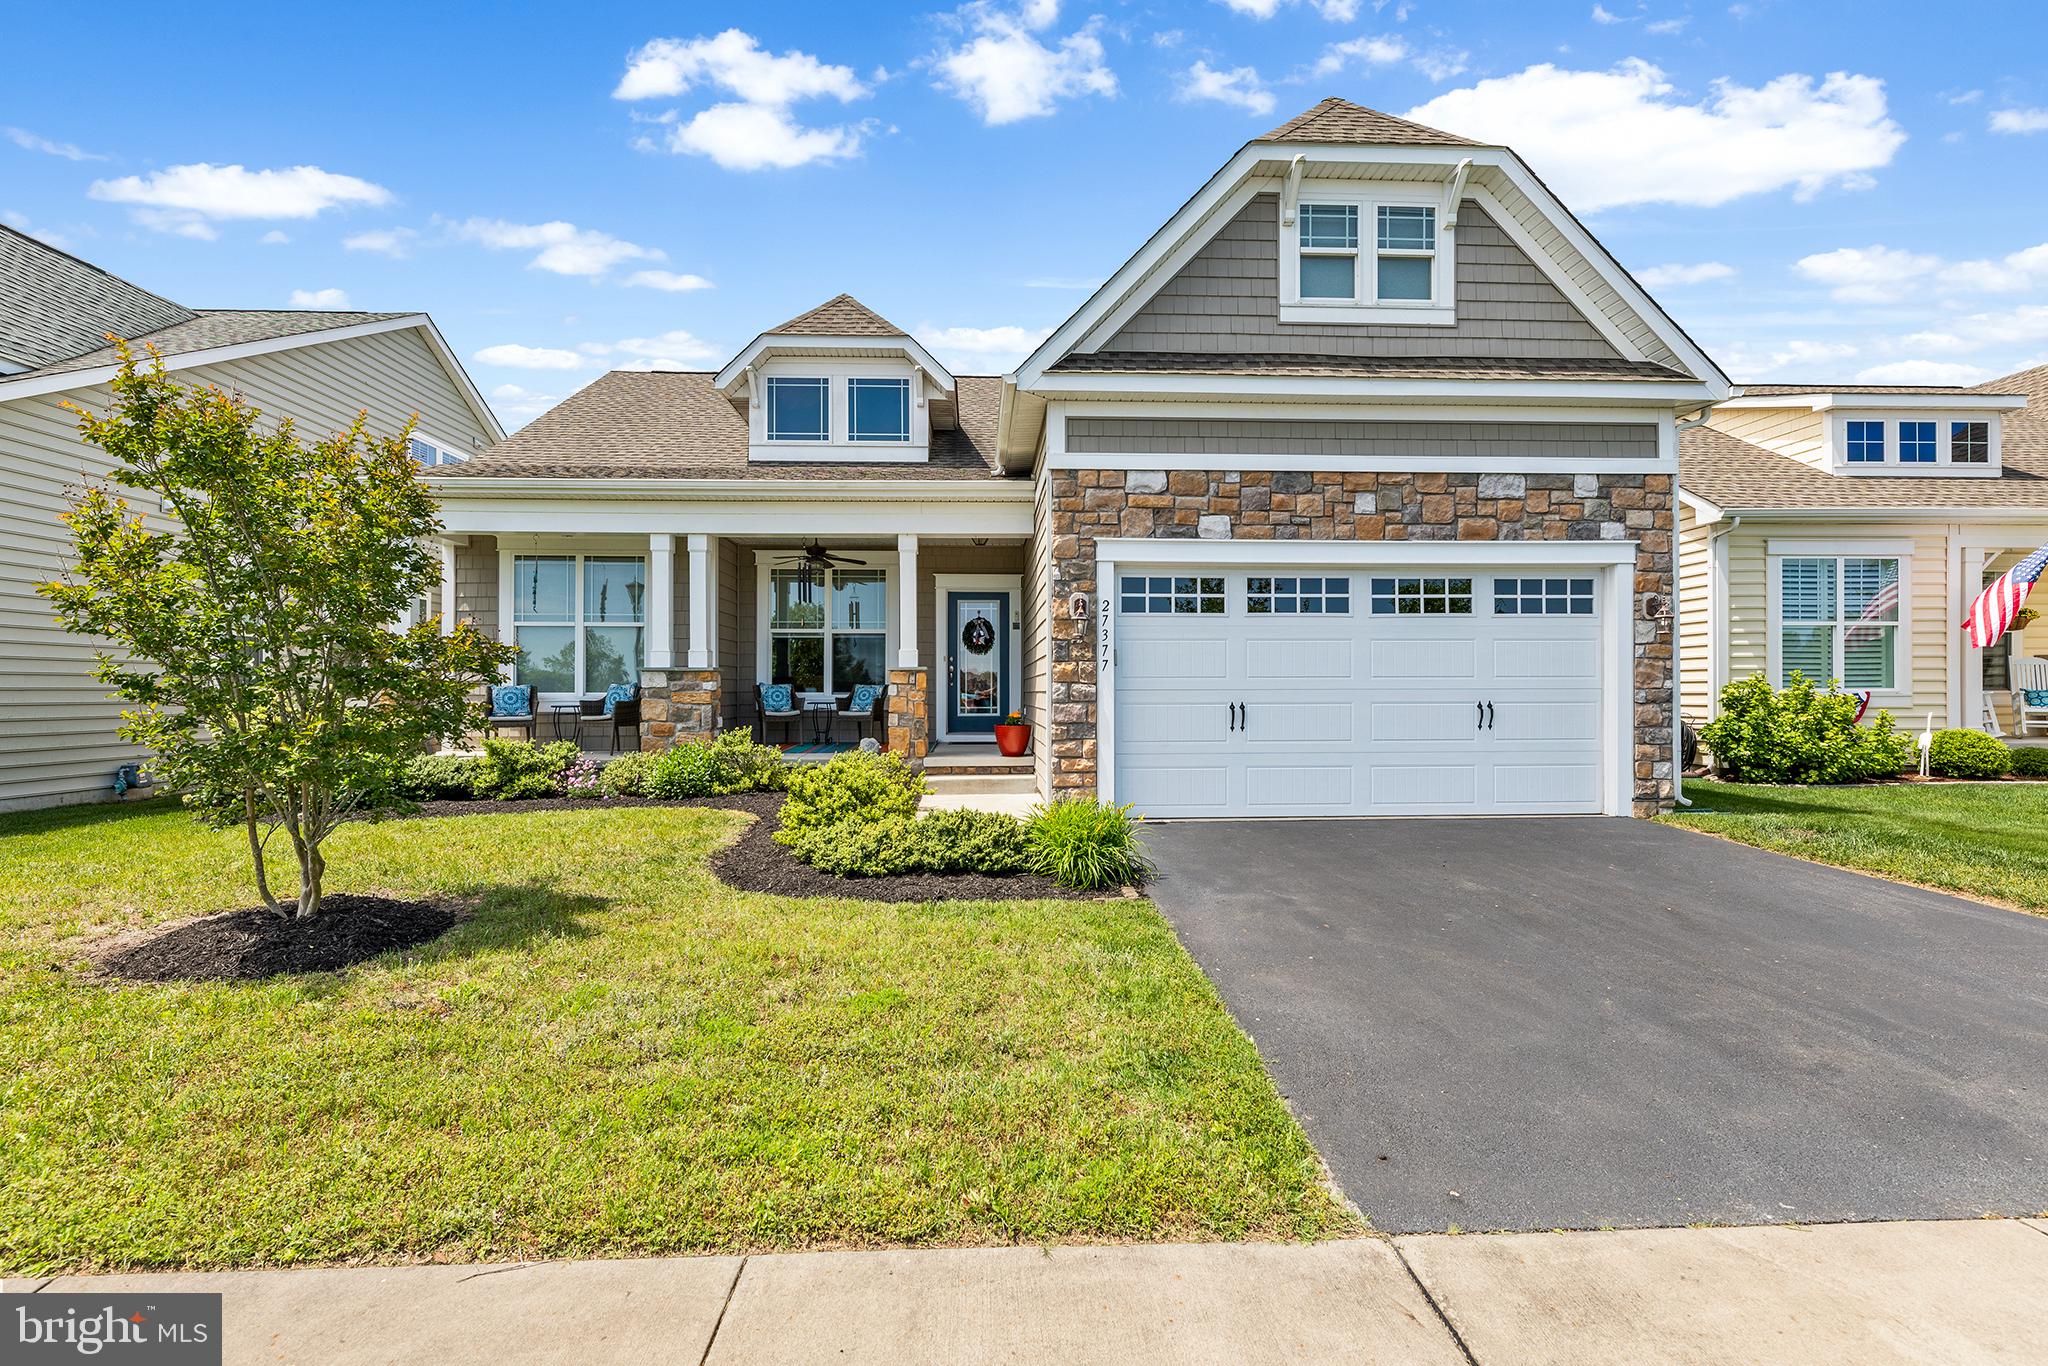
x=703 y=606
x=1969 y=675
x=906 y=602
x=661 y=578
x=447 y=588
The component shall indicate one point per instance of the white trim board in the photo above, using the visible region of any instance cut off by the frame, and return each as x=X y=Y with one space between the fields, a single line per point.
x=800 y=344
x=1135 y=550
x=942 y=647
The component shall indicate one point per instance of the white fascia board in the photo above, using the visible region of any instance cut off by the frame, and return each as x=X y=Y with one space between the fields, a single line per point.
x=1660 y=393
x=1703 y=512
x=1125 y=550
x=1823 y=400
x=186 y=360
x=471 y=395
x=736 y=517
x=769 y=342
x=2035 y=517
x=1642 y=412
x=451 y=487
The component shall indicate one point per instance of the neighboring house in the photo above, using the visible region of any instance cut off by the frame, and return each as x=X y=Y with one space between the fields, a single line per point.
x=1842 y=531
x=1352 y=492
x=57 y=740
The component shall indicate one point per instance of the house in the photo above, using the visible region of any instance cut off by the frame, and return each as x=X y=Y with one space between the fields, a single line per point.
x=1352 y=492
x=57 y=740
x=1842 y=530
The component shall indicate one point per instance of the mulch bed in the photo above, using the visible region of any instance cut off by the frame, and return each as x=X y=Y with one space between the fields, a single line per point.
x=245 y=946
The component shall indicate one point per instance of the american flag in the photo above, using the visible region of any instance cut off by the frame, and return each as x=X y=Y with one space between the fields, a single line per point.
x=2002 y=599
x=1881 y=611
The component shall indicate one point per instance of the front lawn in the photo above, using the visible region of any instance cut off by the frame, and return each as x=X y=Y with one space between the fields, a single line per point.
x=618 y=1055
x=1983 y=840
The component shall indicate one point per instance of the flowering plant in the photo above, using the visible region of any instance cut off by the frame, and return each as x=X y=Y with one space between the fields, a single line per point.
x=585 y=778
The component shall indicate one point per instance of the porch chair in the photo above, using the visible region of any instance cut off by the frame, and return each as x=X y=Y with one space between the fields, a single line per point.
x=867 y=705
x=605 y=711
x=776 y=702
x=511 y=705
x=2029 y=693
x=625 y=713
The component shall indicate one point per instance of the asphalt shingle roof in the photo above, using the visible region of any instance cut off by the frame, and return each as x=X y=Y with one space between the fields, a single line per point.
x=212 y=327
x=1734 y=474
x=1335 y=120
x=53 y=305
x=840 y=316
x=1362 y=367
x=676 y=425
x=1779 y=390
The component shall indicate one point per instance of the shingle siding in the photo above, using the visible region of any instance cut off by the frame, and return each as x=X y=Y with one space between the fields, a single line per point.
x=1227 y=298
x=1506 y=441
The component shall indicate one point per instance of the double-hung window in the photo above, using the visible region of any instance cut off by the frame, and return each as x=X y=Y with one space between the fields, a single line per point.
x=878 y=409
x=578 y=621
x=1969 y=443
x=1916 y=443
x=799 y=409
x=1838 y=620
x=1407 y=253
x=428 y=453
x=828 y=632
x=1865 y=442
x=1329 y=251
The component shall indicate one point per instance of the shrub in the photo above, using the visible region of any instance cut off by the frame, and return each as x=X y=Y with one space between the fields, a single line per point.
x=2029 y=762
x=1967 y=754
x=1086 y=845
x=853 y=786
x=740 y=765
x=626 y=776
x=585 y=778
x=514 y=770
x=937 y=842
x=440 y=778
x=1801 y=735
x=679 y=772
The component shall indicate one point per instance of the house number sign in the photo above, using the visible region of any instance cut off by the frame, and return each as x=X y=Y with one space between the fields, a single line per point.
x=1102 y=636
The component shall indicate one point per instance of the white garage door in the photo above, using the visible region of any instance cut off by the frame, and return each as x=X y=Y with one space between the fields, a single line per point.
x=1284 y=693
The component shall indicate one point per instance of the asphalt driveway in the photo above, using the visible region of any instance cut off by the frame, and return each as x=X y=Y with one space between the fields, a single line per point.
x=1584 y=1023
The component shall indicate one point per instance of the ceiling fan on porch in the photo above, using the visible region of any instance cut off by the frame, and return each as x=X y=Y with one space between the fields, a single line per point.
x=818 y=562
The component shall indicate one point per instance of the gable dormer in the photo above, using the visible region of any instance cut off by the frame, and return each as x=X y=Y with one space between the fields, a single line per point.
x=839 y=383
x=1857 y=431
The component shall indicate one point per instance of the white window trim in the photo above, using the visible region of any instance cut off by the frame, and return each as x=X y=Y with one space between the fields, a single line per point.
x=1778 y=552
x=764 y=566
x=839 y=445
x=909 y=408
x=1835 y=443
x=450 y=453
x=1366 y=309
x=508 y=623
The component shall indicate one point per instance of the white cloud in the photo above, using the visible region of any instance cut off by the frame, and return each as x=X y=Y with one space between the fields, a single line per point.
x=1922 y=372
x=565 y=249
x=16 y=219
x=677 y=350
x=1963 y=96
x=2027 y=324
x=1365 y=51
x=1336 y=11
x=516 y=357
x=1240 y=86
x=1608 y=138
x=1867 y=275
x=2019 y=120
x=1665 y=28
x=1674 y=274
x=980 y=350
x=274 y=238
x=756 y=130
x=1060 y=282
x=70 y=151
x=518 y=405
x=188 y=199
x=319 y=298
x=1006 y=73
x=1801 y=360
x=394 y=242
x=667 y=280
x=1601 y=15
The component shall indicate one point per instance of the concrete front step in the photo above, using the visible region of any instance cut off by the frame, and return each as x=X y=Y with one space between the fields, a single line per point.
x=982 y=759
x=957 y=783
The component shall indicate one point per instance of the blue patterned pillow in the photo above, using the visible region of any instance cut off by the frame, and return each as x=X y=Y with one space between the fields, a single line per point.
x=615 y=694
x=512 y=699
x=863 y=699
x=2037 y=697
x=776 y=696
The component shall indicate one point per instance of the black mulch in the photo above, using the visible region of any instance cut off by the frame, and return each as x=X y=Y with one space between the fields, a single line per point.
x=756 y=863
x=244 y=946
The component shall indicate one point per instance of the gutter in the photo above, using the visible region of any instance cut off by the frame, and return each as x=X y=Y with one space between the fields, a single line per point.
x=990 y=490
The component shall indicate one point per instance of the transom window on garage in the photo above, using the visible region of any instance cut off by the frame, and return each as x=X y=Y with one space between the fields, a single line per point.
x=1531 y=597
x=1308 y=597
x=1422 y=597
x=1171 y=594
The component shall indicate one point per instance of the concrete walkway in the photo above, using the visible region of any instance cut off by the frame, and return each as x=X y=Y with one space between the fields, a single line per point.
x=1925 y=1293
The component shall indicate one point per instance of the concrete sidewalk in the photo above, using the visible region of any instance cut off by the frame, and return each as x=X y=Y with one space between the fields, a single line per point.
x=1958 y=1292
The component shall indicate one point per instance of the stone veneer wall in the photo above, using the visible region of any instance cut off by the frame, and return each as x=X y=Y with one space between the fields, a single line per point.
x=1372 y=506
x=677 y=704
x=909 y=715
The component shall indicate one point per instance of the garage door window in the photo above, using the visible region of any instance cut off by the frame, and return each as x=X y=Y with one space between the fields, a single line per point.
x=1178 y=595
x=1309 y=597
x=1543 y=597
x=1422 y=597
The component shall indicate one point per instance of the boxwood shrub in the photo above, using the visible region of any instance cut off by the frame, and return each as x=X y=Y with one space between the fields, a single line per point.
x=626 y=776
x=514 y=770
x=1801 y=734
x=440 y=778
x=985 y=842
x=680 y=772
x=2029 y=761
x=1967 y=754
x=854 y=786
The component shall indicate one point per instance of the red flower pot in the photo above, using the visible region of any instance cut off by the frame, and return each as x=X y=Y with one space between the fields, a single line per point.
x=1013 y=740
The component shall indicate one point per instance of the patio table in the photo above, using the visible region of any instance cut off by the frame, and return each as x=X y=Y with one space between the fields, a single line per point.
x=563 y=714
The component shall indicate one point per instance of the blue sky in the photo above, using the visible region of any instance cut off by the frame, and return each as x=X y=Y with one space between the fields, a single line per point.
x=1815 y=190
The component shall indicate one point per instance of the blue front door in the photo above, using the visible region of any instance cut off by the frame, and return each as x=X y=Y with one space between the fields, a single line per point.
x=977 y=661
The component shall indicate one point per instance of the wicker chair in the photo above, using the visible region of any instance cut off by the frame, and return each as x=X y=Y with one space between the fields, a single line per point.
x=511 y=705
x=788 y=713
x=874 y=713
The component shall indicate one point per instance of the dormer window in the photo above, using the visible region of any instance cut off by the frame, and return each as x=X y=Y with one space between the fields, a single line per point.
x=1329 y=251
x=878 y=410
x=1352 y=255
x=1916 y=443
x=1865 y=443
x=799 y=409
x=1969 y=443
x=1407 y=242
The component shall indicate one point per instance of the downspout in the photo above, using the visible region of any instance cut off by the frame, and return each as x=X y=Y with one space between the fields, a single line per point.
x=1678 y=796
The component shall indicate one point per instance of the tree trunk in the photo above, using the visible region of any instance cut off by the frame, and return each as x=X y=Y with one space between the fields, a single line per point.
x=256 y=851
x=312 y=866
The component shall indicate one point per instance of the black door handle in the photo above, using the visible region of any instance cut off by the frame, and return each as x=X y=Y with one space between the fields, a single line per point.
x=1489 y=716
x=1481 y=725
x=1244 y=716
x=1233 y=716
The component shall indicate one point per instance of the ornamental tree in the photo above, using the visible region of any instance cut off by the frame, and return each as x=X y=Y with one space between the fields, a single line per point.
x=257 y=618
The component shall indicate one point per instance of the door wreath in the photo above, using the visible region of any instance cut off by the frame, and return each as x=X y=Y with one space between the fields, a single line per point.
x=978 y=636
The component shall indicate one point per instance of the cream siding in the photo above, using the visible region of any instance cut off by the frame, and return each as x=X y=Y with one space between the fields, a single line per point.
x=57 y=741
x=1788 y=431
x=1695 y=617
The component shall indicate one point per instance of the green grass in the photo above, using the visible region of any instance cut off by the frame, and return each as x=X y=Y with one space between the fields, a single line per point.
x=617 y=1056
x=1984 y=840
